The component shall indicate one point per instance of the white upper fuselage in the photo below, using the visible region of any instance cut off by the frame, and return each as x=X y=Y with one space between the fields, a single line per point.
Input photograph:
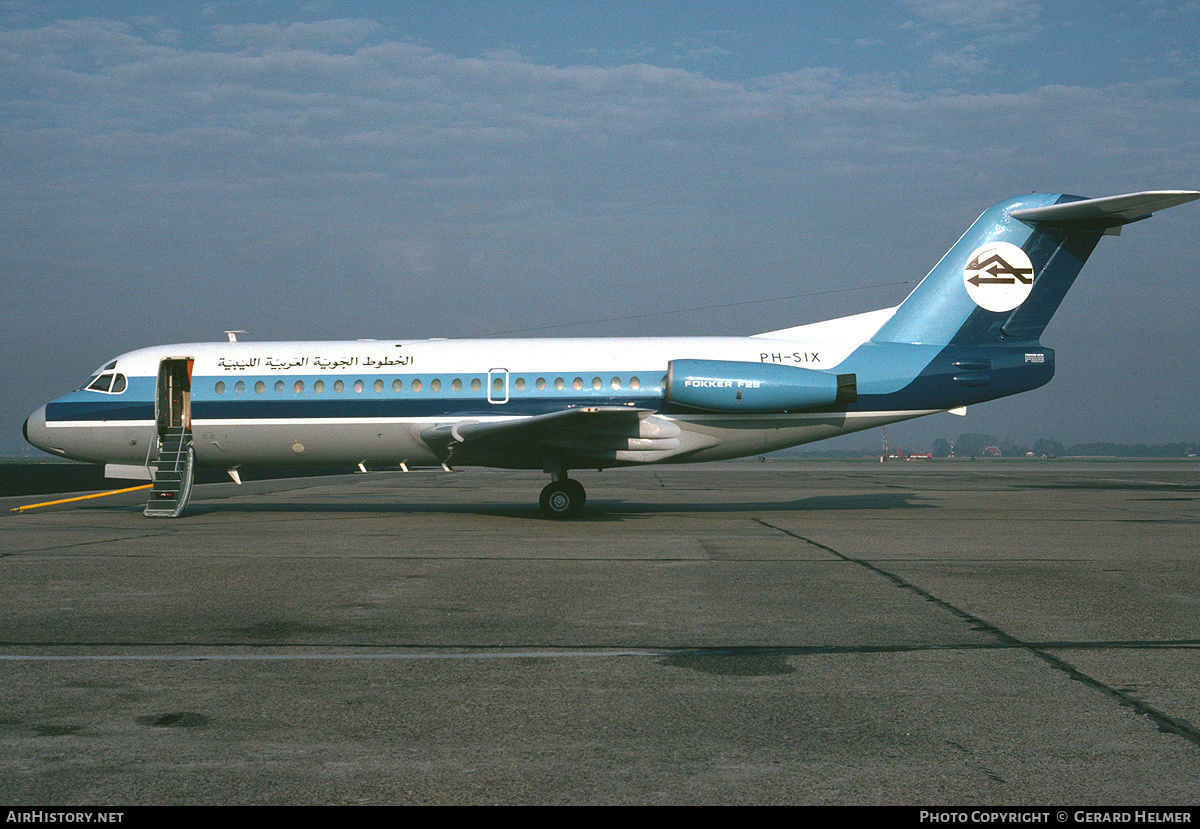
x=335 y=402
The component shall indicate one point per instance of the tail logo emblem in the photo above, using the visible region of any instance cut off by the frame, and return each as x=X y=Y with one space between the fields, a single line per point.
x=998 y=276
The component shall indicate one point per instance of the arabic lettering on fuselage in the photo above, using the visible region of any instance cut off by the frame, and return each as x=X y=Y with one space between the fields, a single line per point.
x=275 y=364
x=322 y=363
x=380 y=362
x=237 y=365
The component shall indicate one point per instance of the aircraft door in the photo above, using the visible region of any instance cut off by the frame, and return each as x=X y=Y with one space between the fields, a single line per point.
x=497 y=387
x=173 y=400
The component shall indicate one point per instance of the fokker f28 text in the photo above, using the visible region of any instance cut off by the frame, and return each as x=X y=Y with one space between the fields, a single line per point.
x=969 y=332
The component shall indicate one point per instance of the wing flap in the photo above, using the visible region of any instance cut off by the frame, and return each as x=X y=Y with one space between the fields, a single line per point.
x=587 y=435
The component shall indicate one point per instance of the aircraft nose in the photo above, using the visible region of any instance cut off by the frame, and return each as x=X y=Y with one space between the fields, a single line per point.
x=35 y=430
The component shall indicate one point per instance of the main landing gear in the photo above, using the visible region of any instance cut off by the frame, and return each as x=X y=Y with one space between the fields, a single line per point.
x=562 y=498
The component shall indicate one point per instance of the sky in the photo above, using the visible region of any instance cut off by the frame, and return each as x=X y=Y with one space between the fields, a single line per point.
x=339 y=170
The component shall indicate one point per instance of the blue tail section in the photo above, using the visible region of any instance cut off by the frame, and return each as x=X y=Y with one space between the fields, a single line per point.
x=941 y=311
x=1003 y=280
x=970 y=331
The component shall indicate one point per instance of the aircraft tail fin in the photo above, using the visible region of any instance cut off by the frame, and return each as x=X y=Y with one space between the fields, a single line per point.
x=1005 y=278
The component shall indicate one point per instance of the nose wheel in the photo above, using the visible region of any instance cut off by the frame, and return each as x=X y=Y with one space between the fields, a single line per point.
x=562 y=499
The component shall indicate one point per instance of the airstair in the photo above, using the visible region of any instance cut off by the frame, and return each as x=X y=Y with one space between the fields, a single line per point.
x=173 y=476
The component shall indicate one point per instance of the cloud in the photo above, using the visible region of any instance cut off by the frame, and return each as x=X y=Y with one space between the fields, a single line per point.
x=344 y=97
x=326 y=34
x=966 y=59
x=106 y=111
x=990 y=17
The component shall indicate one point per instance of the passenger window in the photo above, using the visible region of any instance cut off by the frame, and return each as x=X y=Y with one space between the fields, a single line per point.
x=436 y=385
x=220 y=387
x=597 y=383
x=456 y=385
x=635 y=383
x=318 y=386
x=299 y=386
x=416 y=385
x=476 y=385
x=279 y=387
x=541 y=384
x=559 y=384
x=338 y=385
x=239 y=387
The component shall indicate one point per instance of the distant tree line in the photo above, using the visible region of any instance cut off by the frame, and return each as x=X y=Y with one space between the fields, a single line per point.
x=975 y=445
x=978 y=445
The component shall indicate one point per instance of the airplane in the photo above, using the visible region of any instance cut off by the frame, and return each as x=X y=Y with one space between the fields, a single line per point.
x=968 y=333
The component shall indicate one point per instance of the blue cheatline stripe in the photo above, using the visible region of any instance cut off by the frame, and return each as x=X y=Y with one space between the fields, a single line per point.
x=99 y=410
x=249 y=406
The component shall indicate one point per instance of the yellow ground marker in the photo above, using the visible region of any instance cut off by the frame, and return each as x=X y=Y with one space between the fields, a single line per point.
x=80 y=498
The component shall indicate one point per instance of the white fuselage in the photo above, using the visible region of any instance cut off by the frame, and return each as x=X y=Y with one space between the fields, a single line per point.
x=309 y=403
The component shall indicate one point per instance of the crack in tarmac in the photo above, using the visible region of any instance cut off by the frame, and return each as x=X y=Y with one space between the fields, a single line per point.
x=1163 y=721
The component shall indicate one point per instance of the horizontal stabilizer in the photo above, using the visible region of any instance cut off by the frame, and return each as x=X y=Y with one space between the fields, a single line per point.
x=1110 y=211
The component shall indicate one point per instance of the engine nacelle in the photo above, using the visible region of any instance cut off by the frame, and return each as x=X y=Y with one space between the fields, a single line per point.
x=728 y=386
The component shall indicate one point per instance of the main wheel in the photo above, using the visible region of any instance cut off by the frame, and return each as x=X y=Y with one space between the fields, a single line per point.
x=562 y=499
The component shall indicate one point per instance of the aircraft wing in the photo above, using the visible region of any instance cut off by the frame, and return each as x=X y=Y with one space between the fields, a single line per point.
x=578 y=437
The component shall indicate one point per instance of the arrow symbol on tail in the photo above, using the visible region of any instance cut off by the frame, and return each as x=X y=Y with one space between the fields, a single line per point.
x=996 y=265
x=997 y=280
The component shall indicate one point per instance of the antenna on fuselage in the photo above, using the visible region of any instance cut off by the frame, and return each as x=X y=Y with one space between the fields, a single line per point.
x=232 y=335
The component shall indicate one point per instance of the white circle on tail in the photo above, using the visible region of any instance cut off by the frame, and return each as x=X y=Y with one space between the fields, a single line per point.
x=998 y=276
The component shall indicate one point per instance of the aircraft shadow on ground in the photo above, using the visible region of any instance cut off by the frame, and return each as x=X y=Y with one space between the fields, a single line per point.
x=598 y=510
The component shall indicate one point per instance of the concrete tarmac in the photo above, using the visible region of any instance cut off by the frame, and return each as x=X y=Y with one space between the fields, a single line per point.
x=985 y=633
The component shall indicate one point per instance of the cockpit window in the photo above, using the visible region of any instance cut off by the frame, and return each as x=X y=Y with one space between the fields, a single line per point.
x=107 y=383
